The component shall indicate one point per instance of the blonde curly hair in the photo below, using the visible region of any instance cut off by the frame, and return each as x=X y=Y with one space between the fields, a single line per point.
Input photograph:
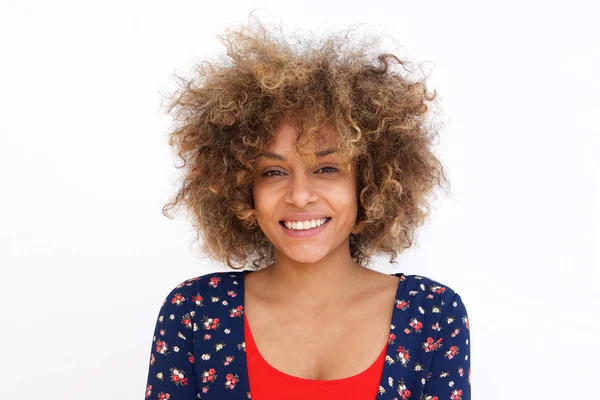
x=227 y=111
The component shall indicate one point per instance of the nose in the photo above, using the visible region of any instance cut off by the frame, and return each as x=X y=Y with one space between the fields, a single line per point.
x=301 y=191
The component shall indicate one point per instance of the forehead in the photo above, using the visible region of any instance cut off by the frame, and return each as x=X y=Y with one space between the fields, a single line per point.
x=286 y=134
x=309 y=149
x=282 y=157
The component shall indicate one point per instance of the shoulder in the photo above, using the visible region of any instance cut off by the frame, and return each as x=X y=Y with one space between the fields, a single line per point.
x=431 y=296
x=209 y=286
x=427 y=286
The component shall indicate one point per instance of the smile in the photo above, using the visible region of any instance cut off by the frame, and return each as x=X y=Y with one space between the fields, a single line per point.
x=304 y=225
x=297 y=229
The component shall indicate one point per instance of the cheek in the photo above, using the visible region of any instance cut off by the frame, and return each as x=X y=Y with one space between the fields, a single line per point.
x=345 y=193
x=263 y=200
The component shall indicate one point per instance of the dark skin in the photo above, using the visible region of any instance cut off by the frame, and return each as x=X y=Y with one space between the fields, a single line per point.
x=314 y=300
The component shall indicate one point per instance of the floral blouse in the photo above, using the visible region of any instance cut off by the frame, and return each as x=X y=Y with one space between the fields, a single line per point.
x=198 y=348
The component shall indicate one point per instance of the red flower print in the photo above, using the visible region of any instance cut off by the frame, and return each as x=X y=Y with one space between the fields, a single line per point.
x=231 y=380
x=178 y=377
x=456 y=395
x=232 y=293
x=163 y=396
x=148 y=391
x=190 y=358
x=403 y=390
x=210 y=323
x=402 y=304
x=416 y=325
x=403 y=355
x=429 y=345
x=209 y=376
x=214 y=281
x=197 y=299
x=236 y=312
x=162 y=347
x=178 y=299
x=451 y=352
x=392 y=338
x=438 y=289
x=186 y=320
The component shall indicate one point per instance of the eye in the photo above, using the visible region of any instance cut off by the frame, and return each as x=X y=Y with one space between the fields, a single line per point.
x=269 y=172
x=274 y=172
x=332 y=169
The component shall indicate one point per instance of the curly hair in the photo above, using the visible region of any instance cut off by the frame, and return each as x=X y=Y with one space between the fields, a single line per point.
x=227 y=112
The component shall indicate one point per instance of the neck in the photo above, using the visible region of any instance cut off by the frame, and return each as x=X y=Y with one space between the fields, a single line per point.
x=317 y=284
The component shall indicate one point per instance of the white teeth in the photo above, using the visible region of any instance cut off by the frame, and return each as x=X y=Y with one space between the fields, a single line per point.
x=302 y=225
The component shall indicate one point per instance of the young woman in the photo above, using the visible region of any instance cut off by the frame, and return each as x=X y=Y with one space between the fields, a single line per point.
x=304 y=161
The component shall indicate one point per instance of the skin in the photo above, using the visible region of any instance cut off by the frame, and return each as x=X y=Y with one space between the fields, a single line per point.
x=310 y=272
x=307 y=310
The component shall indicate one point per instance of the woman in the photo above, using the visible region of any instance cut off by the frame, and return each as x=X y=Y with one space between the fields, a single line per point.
x=303 y=162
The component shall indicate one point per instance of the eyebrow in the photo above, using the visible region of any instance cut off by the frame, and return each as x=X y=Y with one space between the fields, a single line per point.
x=276 y=156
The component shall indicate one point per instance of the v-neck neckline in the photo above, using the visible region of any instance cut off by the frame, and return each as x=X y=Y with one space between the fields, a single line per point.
x=390 y=350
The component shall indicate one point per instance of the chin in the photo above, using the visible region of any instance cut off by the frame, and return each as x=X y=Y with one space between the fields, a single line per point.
x=305 y=257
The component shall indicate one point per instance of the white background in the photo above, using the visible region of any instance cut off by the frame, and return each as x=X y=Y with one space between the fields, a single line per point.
x=87 y=257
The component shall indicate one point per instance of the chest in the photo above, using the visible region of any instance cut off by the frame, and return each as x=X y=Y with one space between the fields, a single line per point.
x=320 y=344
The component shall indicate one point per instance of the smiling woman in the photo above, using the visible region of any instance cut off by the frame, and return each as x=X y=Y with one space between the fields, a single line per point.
x=302 y=162
x=330 y=93
x=296 y=200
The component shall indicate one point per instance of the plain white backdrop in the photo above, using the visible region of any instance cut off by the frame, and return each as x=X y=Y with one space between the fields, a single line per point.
x=87 y=256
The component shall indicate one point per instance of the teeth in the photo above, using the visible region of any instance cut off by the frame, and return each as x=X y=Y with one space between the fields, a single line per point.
x=302 y=225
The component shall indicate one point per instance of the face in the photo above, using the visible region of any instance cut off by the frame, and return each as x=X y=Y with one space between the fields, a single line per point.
x=287 y=192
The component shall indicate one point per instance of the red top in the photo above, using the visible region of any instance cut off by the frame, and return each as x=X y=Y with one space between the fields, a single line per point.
x=268 y=383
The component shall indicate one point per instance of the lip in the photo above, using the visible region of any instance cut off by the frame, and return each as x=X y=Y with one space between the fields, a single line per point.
x=305 y=233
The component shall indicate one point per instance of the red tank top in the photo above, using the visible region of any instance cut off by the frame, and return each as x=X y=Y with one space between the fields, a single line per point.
x=268 y=383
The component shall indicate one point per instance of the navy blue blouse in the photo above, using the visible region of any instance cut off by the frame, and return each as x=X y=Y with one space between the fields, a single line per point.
x=198 y=348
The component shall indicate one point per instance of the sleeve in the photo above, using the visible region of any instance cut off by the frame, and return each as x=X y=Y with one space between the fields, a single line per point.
x=171 y=372
x=450 y=371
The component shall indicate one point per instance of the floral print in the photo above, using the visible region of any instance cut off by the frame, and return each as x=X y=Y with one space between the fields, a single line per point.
x=198 y=348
